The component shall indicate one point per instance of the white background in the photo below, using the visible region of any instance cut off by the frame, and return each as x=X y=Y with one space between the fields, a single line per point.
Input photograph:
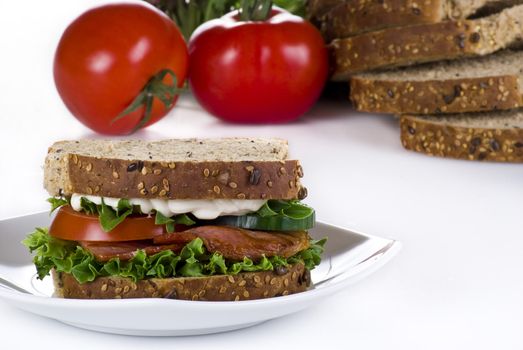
x=456 y=284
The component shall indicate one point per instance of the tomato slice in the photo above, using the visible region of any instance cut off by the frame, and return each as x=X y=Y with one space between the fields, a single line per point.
x=76 y=226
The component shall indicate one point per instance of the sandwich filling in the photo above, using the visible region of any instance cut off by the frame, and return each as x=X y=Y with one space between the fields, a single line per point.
x=139 y=239
x=200 y=208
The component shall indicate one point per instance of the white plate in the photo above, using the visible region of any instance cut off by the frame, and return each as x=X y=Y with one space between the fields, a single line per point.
x=349 y=256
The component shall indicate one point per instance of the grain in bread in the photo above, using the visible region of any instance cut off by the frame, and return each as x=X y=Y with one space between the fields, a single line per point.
x=404 y=46
x=353 y=17
x=493 y=82
x=490 y=136
x=231 y=168
x=243 y=286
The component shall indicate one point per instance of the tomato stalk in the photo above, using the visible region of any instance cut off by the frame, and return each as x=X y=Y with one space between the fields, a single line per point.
x=189 y=14
x=155 y=87
x=255 y=10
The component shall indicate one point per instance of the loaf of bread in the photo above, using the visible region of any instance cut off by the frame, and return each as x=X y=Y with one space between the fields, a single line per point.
x=493 y=82
x=353 y=17
x=491 y=136
x=404 y=46
x=243 y=286
x=234 y=168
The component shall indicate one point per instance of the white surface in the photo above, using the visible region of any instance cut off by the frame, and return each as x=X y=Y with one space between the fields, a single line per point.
x=348 y=257
x=456 y=284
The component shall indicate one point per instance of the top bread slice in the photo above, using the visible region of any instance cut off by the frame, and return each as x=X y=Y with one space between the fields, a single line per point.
x=353 y=17
x=404 y=46
x=229 y=168
x=492 y=136
x=493 y=82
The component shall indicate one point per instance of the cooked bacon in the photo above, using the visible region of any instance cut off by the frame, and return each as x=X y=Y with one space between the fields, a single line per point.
x=105 y=251
x=232 y=242
x=236 y=243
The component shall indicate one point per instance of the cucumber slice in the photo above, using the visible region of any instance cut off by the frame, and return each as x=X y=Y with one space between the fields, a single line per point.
x=268 y=223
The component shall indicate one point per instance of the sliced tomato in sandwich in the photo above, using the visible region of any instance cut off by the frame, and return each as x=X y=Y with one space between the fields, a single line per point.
x=77 y=226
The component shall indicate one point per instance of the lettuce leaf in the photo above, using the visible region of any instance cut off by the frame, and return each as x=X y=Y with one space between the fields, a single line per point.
x=110 y=218
x=293 y=209
x=56 y=203
x=170 y=222
x=193 y=260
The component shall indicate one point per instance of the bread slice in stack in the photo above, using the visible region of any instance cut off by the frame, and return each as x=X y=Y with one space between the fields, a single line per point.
x=317 y=9
x=353 y=17
x=468 y=85
x=405 y=46
x=449 y=68
x=493 y=136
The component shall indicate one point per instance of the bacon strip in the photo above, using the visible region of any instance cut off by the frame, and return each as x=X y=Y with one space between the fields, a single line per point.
x=236 y=243
x=232 y=242
x=105 y=251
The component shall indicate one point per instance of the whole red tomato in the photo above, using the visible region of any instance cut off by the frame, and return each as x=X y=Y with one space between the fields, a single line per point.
x=257 y=71
x=107 y=56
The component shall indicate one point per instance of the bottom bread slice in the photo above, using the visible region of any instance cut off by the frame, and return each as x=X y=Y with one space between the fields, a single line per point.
x=243 y=286
x=493 y=136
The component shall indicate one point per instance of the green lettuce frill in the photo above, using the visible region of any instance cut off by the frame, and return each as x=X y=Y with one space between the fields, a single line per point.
x=192 y=261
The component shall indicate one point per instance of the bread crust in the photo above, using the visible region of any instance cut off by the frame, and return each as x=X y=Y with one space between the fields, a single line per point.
x=177 y=180
x=354 y=17
x=243 y=286
x=404 y=46
x=436 y=96
x=316 y=9
x=445 y=140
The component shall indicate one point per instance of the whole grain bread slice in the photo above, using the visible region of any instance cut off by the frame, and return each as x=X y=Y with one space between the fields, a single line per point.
x=353 y=17
x=317 y=9
x=229 y=168
x=243 y=286
x=493 y=82
x=491 y=136
x=404 y=46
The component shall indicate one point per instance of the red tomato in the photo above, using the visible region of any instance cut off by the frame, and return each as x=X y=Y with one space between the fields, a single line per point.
x=257 y=72
x=107 y=56
x=76 y=226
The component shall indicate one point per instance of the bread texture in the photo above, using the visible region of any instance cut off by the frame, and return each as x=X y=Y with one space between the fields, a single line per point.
x=494 y=82
x=353 y=17
x=490 y=136
x=233 y=168
x=447 y=40
x=316 y=9
x=243 y=286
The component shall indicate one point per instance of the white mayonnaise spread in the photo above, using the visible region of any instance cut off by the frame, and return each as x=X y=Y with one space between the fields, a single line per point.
x=200 y=208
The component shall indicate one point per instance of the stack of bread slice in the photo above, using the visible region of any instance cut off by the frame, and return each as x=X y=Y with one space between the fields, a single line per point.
x=450 y=69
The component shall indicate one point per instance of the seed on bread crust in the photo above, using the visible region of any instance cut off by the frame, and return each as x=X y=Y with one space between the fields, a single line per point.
x=471 y=142
x=254 y=176
x=62 y=173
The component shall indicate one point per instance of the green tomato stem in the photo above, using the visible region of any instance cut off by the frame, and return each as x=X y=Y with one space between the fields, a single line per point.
x=255 y=10
x=155 y=88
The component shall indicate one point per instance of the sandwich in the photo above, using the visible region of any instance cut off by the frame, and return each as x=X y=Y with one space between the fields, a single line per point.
x=189 y=219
